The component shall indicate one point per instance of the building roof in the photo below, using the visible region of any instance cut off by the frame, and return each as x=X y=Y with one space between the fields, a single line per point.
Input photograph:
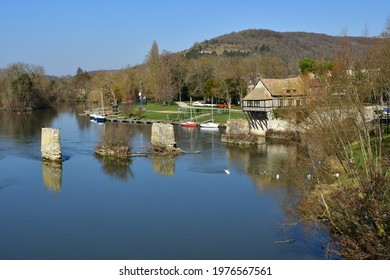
x=259 y=92
x=267 y=89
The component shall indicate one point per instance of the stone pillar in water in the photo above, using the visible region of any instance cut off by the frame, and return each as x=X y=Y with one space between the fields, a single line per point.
x=163 y=135
x=50 y=144
x=237 y=127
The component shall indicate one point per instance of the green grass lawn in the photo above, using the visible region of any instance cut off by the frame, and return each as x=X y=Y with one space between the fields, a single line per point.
x=223 y=117
x=175 y=113
x=357 y=153
x=220 y=118
x=156 y=106
x=159 y=111
x=172 y=112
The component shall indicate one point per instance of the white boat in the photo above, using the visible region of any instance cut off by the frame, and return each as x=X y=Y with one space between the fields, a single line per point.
x=99 y=118
x=210 y=124
x=92 y=117
x=191 y=122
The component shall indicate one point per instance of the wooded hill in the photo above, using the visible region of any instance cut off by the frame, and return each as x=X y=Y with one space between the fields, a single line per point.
x=291 y=47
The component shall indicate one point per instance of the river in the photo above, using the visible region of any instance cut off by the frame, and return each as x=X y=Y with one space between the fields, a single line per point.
x=146 y=208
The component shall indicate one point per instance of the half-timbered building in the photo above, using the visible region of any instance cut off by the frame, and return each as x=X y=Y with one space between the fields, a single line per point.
x=270 y=94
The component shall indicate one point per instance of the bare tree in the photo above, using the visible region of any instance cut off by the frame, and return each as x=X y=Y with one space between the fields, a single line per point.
x=199 y=72
x=345 y=144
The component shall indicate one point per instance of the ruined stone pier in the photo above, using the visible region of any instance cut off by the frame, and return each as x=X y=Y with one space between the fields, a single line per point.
x=163 y=135
x=50 y=145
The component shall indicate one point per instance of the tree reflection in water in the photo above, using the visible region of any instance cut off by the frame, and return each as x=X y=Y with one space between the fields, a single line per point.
x=115 y=139
x=263 y=162
x=117 y=168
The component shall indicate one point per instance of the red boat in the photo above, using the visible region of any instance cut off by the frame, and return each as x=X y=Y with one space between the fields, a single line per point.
x=189 y=124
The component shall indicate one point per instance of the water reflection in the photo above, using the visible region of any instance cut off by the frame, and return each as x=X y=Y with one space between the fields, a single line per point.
x=116 y=138
x=52 y=175
x=263 y=163
x=20 y=131
x=204 y=214
x=164 y=165
x=25 y=124
x=271 y=164
x=188 y=137
x=118 y=169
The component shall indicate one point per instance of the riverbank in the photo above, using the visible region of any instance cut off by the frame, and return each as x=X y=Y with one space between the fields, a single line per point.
x=352 y=203
x=156 y=112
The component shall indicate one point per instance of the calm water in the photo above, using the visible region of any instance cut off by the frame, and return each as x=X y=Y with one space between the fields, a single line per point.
x=147 y=208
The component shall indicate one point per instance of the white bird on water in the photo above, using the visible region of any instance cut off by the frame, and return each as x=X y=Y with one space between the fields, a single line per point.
x=227 y=171
x=277 y=176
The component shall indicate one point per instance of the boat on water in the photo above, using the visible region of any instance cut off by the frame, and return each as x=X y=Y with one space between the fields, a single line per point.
x=209 y=124
x=92 y=117
x=189 y=124
x=99 y=118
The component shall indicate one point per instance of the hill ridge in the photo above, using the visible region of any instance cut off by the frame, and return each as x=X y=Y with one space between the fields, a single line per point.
x=290 y=46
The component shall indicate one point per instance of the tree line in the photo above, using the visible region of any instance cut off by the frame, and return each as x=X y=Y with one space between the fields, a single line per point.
x=163 y=77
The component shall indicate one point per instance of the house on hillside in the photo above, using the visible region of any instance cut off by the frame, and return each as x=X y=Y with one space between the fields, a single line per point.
x=270 y=94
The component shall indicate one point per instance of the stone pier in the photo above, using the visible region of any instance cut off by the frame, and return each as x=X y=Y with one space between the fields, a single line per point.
x=234 y=127
x=50 y=145
x=238 y=132
x=163 y=135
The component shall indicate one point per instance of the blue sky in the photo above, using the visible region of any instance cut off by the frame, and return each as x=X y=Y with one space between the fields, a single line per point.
x=61 y=35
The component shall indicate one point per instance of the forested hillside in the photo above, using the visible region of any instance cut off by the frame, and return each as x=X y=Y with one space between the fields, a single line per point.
x=290 y=47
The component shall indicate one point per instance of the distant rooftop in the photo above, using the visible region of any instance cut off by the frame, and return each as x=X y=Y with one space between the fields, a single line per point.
x=267 y=89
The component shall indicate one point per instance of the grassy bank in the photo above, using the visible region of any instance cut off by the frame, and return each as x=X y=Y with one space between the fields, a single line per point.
x=172 y=112
x=355 y=205
x=385 y=150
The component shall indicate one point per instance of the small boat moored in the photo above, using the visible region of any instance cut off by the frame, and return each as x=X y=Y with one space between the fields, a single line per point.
x=189 y=124
x=100 y=118
x=209 y=125
x=97 y=118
